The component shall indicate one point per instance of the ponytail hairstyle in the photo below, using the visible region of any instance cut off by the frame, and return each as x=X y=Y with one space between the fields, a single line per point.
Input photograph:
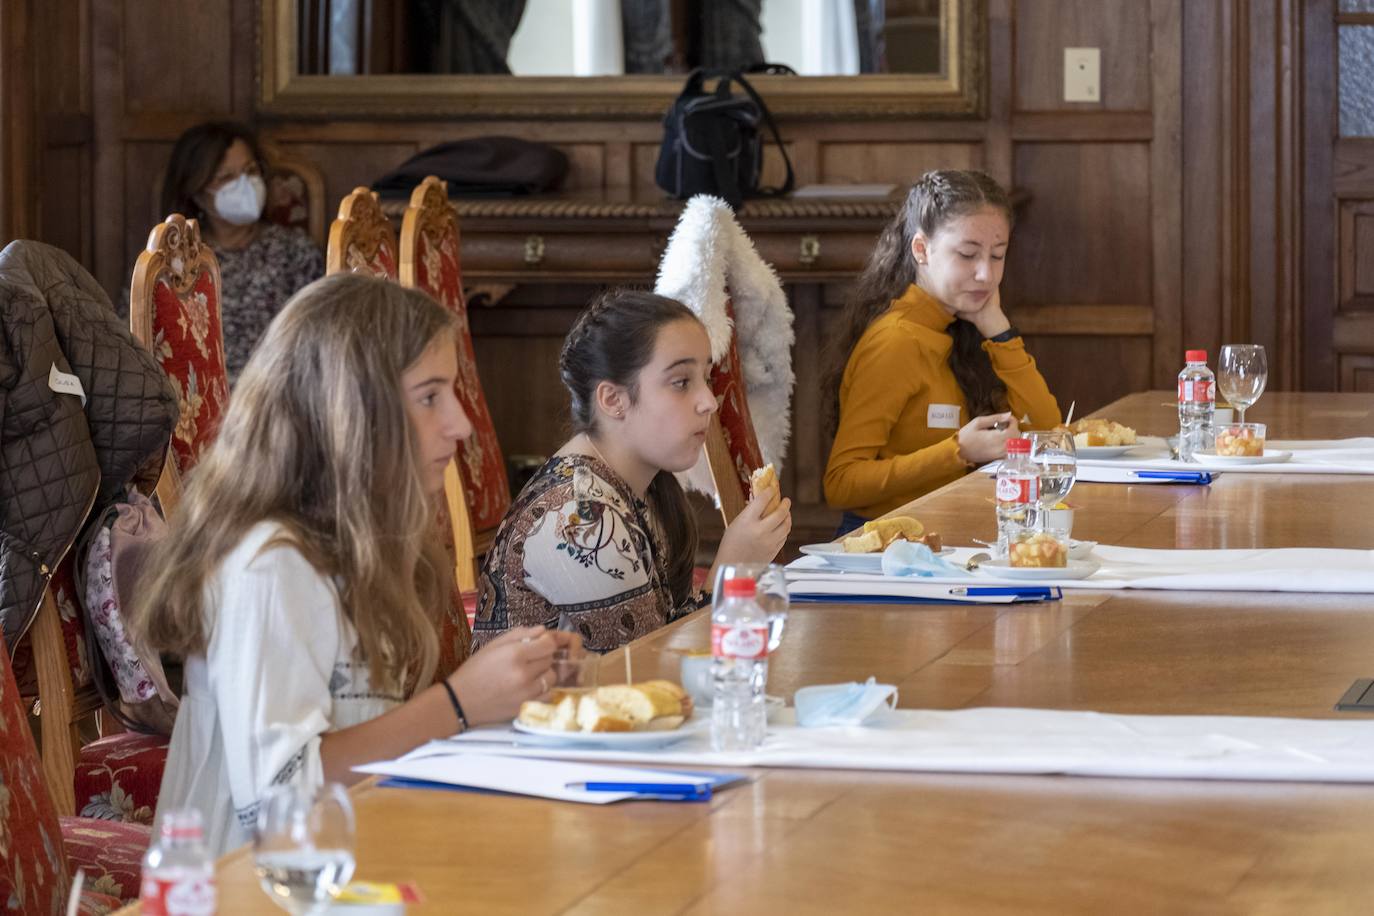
x=611 y=342
x=937 y=198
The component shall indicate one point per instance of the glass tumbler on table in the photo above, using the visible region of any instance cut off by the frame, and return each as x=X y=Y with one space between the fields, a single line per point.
x=303 y=851
x=1241 y=375
x=1053 y=452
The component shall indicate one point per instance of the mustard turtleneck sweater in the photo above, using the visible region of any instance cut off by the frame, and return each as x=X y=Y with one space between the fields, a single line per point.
x=901 y=409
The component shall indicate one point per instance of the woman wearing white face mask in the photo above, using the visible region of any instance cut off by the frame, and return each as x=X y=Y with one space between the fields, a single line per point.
x=216 y=176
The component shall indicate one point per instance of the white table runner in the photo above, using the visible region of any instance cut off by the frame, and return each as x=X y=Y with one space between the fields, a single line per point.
x=1258 y=570
x=1310 y=456
x=1015 y=741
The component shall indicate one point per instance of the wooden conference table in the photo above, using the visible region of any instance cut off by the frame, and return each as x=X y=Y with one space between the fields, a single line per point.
x=812 y=841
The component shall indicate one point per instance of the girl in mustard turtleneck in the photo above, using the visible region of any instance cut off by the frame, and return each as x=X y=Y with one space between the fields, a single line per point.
x=929 y=375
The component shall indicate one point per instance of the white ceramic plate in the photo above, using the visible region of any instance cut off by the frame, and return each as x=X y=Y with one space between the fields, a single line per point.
x=834 y=554
x=614 y=739
x=1103 y=451
x=1077 y=569
x=1269 y=457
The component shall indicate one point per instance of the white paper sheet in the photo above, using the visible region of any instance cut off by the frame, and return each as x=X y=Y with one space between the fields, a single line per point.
x=1323 y=570
x=1024 y=741
x=541 y=778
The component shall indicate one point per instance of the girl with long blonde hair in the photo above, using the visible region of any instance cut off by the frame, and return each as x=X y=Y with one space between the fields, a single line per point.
x=302 y=577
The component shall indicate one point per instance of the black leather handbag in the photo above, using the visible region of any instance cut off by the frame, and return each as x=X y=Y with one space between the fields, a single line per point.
x=711 y=142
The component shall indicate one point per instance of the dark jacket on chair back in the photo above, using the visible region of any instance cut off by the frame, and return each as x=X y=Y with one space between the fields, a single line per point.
x=62 y=454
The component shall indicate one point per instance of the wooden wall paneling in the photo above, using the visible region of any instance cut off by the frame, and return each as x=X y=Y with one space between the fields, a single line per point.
x=997 y=146
x=144 y=166
x=1092 y=370
x=1355 y=257
x=1044 y=28
x=190 y=42
x=810 y=447
x=901 y=163
x=1084 y=238
x=17 y=122
x=1206 y=195
x=1321 y=172
x=1166 y=187
x=1356 y=372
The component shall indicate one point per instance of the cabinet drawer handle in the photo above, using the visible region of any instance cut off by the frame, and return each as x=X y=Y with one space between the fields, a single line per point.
x=534 y=250
x=810 y=249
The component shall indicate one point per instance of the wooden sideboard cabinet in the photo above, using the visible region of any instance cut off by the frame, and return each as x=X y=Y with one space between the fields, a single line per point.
x=531 y=264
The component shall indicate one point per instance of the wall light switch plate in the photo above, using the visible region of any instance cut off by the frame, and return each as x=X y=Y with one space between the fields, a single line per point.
x=1082 y=74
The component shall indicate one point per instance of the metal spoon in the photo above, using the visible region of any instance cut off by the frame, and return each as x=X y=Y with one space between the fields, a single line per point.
x=978 y=559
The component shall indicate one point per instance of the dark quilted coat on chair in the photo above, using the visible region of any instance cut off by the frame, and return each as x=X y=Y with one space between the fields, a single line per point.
x=58 y=458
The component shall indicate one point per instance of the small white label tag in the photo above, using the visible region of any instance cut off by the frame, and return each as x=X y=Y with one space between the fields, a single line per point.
x=64 y=383
x=942 y=416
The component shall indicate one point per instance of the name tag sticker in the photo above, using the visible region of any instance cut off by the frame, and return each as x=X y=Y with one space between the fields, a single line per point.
x=942 y=416
x=65 y=383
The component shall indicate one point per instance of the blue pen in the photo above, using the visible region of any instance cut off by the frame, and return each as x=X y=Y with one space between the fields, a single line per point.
x=1042 y=591
x=686 y=790
x=1185 y=476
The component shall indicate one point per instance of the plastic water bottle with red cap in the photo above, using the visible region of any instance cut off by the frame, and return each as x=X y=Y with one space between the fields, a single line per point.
x=178 y=872
x=739 y=668
x=1197 y=403
x=1018 y=492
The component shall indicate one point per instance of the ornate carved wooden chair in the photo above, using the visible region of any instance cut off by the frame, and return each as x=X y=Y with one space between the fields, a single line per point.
x=295 y=194
x=361 y=238
x=174 y=311
x=478 y=495
x=712 y=267
x=40 y=849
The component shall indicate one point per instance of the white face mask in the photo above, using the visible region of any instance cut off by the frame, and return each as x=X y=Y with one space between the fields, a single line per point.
x=240 y=202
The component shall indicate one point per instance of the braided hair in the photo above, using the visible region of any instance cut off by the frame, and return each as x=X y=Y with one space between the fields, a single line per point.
x=611 y=342
x=938 y=197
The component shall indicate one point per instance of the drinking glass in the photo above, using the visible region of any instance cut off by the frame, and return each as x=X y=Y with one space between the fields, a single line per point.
x=1053 y=452
x=1241 y=375
x=303 y=851
x=770 y=580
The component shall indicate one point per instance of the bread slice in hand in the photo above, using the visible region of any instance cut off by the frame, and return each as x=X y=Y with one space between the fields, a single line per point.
x=764 y=482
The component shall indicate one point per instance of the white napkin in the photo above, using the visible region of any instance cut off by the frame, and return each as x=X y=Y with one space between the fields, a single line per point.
x=1027 y=741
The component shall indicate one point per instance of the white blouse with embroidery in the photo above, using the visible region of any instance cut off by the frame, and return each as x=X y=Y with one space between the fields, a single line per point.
x=278 y=672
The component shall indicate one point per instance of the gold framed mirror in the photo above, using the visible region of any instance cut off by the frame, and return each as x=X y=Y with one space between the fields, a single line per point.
x=956 y=89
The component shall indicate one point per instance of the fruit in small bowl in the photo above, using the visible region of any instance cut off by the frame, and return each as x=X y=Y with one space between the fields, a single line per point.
x=1241 y=440
x=1040 y=549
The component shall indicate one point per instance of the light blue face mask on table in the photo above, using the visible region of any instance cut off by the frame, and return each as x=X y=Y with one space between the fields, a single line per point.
x=842 y=704
x=907 y=558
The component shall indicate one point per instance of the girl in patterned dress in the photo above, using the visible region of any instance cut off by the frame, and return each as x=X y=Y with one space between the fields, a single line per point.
x=302 y=579
x=602 y=540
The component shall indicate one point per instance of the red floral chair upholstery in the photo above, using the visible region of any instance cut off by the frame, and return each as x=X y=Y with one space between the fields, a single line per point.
x=174 y=311
x=430 y=261
x=732 y=448
x=361 y=239
x=40 y=852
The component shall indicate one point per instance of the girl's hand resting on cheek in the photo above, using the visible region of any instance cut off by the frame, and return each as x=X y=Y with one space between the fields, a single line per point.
x=990 y=320
x=754 y=537
x=515 y=667
x=980 y=442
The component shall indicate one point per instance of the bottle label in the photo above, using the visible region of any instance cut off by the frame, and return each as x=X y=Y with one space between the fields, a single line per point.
x=741 y=642
x=179 y=896
x=1018 y=490
x=1195 y=391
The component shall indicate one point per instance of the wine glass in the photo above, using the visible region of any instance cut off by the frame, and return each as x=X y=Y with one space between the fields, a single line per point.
x=303 y=851
x=1241 y=375
x=1054 y=453
x=770 y=582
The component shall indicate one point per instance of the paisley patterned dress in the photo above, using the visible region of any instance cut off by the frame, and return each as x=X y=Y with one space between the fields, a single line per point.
x=578 y=551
